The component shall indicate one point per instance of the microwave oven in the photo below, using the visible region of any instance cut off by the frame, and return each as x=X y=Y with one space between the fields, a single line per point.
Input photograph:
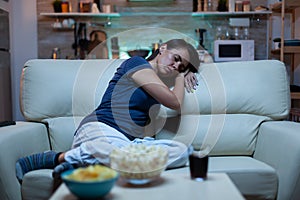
x=233 y=50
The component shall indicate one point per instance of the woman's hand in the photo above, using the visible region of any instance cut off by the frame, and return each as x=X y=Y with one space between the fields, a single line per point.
x=190 y=82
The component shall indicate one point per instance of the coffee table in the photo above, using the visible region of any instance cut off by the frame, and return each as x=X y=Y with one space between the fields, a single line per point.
x=173 y=184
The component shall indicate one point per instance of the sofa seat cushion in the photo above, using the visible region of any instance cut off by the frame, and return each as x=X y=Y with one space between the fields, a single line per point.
x=61 y=131
x=228 y=134
x=255 y=179
x=37 y=185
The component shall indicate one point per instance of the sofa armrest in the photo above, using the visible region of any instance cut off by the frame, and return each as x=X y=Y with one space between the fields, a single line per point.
x=278 y=146
x=17 y=141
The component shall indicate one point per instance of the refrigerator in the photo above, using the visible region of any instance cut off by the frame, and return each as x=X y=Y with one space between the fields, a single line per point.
x=5 y=71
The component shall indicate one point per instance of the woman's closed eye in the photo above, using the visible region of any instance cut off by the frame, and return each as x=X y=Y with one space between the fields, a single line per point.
x=177 y=58
x=181 y=66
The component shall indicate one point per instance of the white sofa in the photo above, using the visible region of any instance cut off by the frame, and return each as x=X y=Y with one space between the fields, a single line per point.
x=239 y=109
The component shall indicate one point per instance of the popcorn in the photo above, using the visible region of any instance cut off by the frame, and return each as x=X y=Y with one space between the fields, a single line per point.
x=139 y=161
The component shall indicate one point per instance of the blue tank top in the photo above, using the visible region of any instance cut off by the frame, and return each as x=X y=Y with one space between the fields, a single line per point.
x=124 y=105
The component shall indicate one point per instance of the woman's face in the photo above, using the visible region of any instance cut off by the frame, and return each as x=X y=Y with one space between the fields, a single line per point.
x=170 y=62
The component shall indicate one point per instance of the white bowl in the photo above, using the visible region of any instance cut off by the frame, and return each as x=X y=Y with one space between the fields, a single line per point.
x=138 y=163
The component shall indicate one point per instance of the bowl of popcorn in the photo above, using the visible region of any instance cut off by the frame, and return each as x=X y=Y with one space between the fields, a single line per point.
x=94 y=181
x=139 y=163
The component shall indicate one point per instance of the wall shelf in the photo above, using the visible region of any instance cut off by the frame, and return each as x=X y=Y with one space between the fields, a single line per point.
x=194 y=14
x=80 y=15
x=129 y=14
x=216 y=13
x=287 y=49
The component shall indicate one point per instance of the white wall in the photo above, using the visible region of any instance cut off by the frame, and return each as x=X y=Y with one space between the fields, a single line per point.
x=23 y=43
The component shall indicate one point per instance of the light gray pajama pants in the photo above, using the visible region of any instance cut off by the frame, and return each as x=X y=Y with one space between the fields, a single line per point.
x=94 y=141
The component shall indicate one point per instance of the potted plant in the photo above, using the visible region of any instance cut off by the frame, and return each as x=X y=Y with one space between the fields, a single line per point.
x=57 y=5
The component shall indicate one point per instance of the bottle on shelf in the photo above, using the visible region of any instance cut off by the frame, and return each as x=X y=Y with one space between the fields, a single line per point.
x=195 y=5
x=239 y=6
x=56 y=6
x=99 y=5
x=85 y=6
x=222 y=6
x=55 y=53
x=115 y=50
x=246 y=6
x=236 y=34
x=205 y=5
x=210 y=5
x=219 y=33
x=246 y=33
x=65 y=6
x=200 y=5
x=231 y=4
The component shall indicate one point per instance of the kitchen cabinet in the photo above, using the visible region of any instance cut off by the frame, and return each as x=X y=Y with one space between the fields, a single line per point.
x=81 y=21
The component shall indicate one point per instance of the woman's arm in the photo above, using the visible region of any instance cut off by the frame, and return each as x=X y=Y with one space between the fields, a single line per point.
x=151 y=83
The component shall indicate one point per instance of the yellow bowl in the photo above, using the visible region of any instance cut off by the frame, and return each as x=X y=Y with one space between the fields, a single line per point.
x=94 y=181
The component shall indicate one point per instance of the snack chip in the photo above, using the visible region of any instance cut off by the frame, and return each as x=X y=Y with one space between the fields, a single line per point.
x=92 y=173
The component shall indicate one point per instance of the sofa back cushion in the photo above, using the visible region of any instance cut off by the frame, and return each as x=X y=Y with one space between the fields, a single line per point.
x=63 y=88
x=229 y=134
x=60 y=93
x=255 y=87
x=228 y=106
